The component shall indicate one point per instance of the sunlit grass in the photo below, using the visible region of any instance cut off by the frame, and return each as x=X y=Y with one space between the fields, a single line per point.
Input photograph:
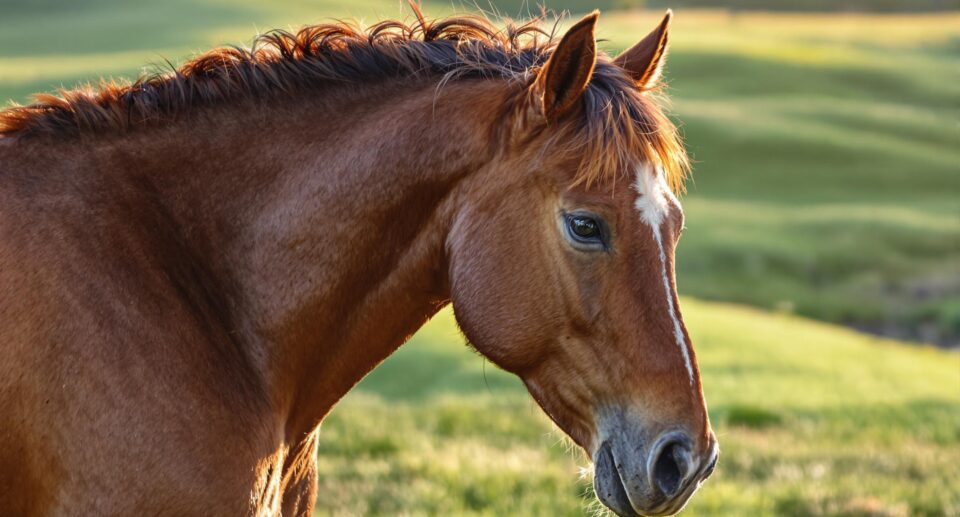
x=813 y=420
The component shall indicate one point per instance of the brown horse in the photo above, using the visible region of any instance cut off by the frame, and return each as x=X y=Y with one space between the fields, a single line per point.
x=194 y=268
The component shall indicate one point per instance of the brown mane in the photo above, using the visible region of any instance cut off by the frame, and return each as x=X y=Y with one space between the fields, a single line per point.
x=617 y=127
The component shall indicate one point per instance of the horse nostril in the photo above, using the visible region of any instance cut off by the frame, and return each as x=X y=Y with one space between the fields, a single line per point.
x=671 y=467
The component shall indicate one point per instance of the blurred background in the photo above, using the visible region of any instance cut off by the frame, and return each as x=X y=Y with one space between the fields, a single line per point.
x=820 y=271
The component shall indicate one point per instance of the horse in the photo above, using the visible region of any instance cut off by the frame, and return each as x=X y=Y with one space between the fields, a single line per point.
x=197 y=265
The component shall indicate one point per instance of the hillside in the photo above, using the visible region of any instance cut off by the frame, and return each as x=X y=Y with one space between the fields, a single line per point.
x=826 y=164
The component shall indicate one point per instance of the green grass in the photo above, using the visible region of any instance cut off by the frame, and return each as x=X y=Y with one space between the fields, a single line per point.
x=812 y=420
x=826 y=185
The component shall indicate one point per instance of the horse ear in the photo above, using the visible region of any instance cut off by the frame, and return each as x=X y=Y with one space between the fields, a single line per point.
x=644 y=61
x=567 y=73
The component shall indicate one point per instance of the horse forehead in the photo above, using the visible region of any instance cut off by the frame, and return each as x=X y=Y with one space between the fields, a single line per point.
x=654 y=200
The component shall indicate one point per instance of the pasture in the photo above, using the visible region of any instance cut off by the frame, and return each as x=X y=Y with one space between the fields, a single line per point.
x=812 y=420
x=826 y=186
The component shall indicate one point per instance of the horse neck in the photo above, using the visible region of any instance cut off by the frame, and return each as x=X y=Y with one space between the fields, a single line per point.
x=325 y=224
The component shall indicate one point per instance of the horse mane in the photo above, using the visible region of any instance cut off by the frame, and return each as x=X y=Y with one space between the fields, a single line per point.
x=617 y=127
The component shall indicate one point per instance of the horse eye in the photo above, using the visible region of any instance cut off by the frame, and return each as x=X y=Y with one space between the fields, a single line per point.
x=584 y=227
x=584 y=231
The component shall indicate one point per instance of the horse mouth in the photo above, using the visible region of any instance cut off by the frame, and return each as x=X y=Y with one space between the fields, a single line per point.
x=608 y=483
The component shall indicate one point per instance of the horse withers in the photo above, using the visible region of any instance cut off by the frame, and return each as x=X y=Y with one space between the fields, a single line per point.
x=195 y=267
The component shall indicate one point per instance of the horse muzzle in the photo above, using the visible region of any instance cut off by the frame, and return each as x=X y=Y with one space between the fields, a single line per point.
x=633 y=480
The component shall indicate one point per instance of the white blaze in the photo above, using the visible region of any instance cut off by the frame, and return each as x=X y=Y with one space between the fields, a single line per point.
x=654 y=204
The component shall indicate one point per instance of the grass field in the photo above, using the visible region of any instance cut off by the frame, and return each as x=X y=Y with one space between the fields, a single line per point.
x=827 y=185
x=828 y=164
x=812 y=420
